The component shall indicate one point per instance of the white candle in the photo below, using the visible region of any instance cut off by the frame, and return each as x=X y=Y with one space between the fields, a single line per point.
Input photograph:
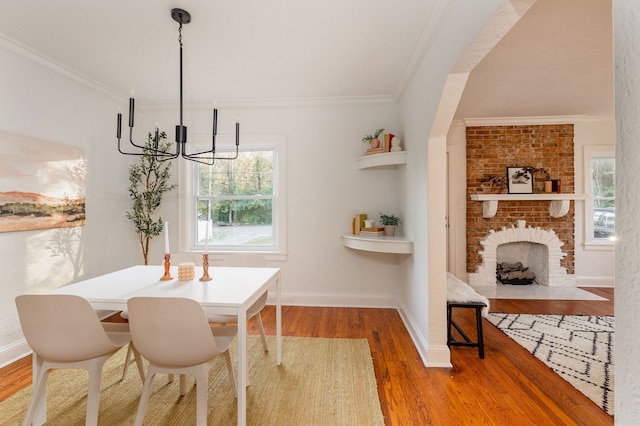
x=206 y=239
x=166 y=237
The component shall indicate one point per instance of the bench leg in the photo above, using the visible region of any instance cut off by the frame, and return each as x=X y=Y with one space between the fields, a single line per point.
x=479 y=328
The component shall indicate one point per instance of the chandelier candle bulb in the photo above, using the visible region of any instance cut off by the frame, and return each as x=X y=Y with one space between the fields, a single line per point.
x=131 y=108
x=206 y=239
x=166 y=237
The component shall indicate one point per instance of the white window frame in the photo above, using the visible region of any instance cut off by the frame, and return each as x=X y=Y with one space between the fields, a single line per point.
x=590 y=243
x=187 y=198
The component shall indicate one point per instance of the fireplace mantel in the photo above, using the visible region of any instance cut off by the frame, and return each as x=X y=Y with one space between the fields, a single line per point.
x=558 y=203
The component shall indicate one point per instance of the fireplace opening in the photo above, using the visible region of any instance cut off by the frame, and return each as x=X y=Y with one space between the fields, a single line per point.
x=514 y=273
x=539 y=249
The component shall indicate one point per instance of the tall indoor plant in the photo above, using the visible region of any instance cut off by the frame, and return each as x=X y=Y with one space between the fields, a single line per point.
x=148 y=182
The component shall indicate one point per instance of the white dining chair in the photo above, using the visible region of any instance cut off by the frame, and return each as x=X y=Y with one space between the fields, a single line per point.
x=246 y=260
x=173 y=334
x=176 y=259
x=65 y=332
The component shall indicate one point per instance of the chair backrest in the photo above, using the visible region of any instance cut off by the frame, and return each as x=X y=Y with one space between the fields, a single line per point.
x=62 y=328
x=178 y=258
x=171 y=332
x=246 y=260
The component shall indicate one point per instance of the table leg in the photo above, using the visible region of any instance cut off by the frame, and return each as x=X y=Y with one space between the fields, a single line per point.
x=242 y=367
x=278 y=323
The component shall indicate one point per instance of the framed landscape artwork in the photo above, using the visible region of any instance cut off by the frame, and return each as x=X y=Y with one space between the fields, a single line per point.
x=41 y=184
x=519 y=180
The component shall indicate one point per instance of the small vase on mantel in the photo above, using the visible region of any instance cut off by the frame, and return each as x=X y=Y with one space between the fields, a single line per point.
x=389 y=230
x=375 y=143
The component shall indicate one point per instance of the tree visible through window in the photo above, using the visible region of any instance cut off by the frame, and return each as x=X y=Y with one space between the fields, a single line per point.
x=603 y=193
x=236 y=199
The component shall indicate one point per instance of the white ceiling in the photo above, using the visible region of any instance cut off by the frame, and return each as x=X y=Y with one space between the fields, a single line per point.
x=556 y=61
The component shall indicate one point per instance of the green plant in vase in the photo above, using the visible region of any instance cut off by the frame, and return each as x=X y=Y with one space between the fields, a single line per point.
x=373 y=139
x=148 y=183
x=389 y=221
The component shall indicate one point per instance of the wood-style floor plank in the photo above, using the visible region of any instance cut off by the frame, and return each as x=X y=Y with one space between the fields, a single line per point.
x=508 y=387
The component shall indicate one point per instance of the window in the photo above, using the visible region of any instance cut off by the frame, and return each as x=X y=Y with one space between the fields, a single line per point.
x=600 y=210
x=240 y=202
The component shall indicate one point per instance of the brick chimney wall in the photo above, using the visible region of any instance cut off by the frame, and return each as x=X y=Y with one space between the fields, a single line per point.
x=490 y=150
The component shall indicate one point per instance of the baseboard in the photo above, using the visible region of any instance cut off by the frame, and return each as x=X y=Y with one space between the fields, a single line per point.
x=340 y=300
x=432 y=356
x=14 y=352
x=595 y=281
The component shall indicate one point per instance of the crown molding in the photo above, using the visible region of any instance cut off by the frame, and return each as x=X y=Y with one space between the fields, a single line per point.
x=26 y=54
x=523 y=121
x=273 y=103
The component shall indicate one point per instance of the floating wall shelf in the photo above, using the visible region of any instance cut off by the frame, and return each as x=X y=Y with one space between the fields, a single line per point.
x=381 y=244
x=558 y=203
x=380 y=160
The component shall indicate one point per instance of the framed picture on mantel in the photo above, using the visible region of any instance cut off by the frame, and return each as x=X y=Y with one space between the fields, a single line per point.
x=519 y=180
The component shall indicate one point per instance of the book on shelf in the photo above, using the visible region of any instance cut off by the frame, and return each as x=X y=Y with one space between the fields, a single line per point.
x=374 y=151
x=374 y=229
x=386 y=142
x=358 y=223
x=372 y=233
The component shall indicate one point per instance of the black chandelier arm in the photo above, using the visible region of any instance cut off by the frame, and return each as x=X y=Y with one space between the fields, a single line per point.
x=204 y=157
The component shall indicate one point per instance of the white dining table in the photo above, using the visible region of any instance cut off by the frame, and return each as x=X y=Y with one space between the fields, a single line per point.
x=232 y=290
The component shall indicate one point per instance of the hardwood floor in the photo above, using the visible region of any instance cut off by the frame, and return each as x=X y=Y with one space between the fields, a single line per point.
x=508 y=387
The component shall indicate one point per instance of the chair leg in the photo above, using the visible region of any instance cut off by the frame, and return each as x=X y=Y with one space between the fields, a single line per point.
x=262 y=335
x=232 y=376
x=202 y=393
x=39 y=386
x=138 y=359
x=127 y=360
x=93 y=396
x=183 y=384
x=144 y=397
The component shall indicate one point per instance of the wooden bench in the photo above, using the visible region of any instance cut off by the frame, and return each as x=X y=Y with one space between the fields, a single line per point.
x=461 y=295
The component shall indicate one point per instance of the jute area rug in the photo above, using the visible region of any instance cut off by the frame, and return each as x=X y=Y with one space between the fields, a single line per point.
x=579 y=348
x=320 y=382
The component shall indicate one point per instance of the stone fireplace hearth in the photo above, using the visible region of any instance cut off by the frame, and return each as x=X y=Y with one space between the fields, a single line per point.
x=548 y=256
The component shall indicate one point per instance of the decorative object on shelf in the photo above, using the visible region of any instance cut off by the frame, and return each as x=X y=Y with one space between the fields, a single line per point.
x=373 y=140
x=148 y=183
x=494 y=184
x=545 y=185
x=556 y=186
x=204 y=157
x=395 y=145
x=386 y=142
x=368 y=223
x=389 y=222
x=519 y=180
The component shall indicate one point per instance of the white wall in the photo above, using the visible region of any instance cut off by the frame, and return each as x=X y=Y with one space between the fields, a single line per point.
x=627 y=300
x=422 y=297
x=324 y=191
x=594 y=267
x=39 y=103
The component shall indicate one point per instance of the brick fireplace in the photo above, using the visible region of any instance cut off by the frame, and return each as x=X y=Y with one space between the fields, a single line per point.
x=490 y=150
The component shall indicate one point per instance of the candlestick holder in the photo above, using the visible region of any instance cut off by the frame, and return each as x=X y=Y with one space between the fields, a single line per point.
x=205 y=268
x=167 y=267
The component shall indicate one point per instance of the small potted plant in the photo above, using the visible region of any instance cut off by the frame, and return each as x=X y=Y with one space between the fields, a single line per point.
x=389 y=222
x=373 y=139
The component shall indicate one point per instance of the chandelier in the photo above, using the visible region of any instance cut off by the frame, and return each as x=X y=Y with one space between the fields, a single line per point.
x=205 y=157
